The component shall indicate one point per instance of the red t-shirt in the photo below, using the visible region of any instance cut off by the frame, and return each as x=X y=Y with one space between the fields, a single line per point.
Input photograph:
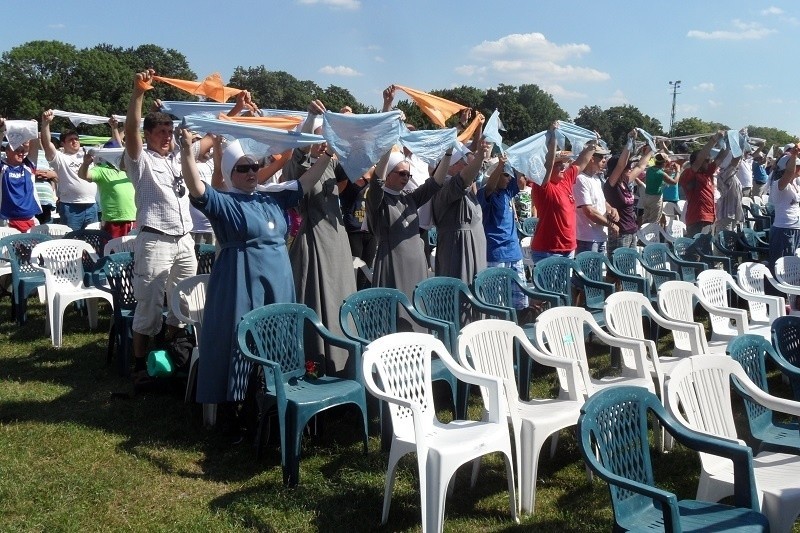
x=555 y=207
x=698 y=188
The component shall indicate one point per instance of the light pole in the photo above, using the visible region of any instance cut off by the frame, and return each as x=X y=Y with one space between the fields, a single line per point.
x=675 y=85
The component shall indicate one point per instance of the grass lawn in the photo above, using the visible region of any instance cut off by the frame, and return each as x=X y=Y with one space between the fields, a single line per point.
x=80 y=452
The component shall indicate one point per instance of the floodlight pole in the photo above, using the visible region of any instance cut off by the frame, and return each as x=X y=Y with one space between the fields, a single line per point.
x=675 y=85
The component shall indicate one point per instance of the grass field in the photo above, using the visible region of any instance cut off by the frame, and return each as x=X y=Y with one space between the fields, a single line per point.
x=79 y=451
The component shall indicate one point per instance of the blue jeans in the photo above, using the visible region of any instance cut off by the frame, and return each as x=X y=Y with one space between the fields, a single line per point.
x=520 y=300
x=591 y=246
x=782 y=241
x=538 y=256
x=77 y=216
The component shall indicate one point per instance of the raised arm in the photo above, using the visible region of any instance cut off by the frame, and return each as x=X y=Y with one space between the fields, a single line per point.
x=115 y=134
x=789 y=175
x=191 y=175
x=551 y=153
x=473 y=168
x=388 y=98
x=705 y=151
x=83 y=170
x=311 y=176
x=44 y=136
x=133 y=141
x=494 y=178
x=623 y=159
x=217 y=180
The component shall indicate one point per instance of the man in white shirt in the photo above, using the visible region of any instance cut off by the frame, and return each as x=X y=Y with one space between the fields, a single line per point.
x=164 y=248
x=594 y=219
x=77 y=205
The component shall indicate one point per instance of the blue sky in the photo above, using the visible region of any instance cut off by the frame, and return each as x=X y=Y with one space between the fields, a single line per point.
x=735 y=59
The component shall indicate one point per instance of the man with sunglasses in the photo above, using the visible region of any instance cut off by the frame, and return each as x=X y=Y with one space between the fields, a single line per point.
x=18 y=202
x=164 y=248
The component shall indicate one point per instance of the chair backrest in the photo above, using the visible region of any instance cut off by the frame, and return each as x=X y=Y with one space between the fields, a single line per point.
x=18 y=249
x=529 y=225
x=94 y=225
x=560 y=332
x=446 y=299
x=750 y=237
x=624 y=313
x=370 y=314
x=676 y=300
x=54 y=230
x=671 y=211
x=649 y=233
x=275 y=333
x=118 y=269
x=206 y=253
x=402 y=362
x=699 y=393
x=96 y=237
x=656 y=256
x=5 y=231
x=750 y=351
x=120 y=244
x=787 y=270
x=674 y=230
x=681 y=246
x=627 y=261
x=63 y=259
x=554 y=274
x=751 y=278
x=493 y=286
x=188 y=302
x=433 y=236
x=786 y=338
x=713 y=286
x=727 y=241
x=613 y=429
x=593 y=266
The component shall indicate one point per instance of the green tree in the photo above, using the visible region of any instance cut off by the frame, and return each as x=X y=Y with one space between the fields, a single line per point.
x=276 y=89
x=773 y=136
x=595 y=119
x=524 y=111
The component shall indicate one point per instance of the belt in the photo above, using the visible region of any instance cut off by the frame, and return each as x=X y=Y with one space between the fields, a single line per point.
x=148 y=229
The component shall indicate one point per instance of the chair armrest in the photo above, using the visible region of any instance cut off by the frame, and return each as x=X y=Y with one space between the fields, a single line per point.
x=750 y=391
x=784 y=287
x=738 y=315
x=272 y=368
x=490 y=310
x=569 y=366
x=636 y=345
x=607 y=288
x=441 y=329
x=710 y=260
x=671 y=274
x=536 y=294
x=561 y=298
x=776 y=305
x=638 y=281
x=353 y=347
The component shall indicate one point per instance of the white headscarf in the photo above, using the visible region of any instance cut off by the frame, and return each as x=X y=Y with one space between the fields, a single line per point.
x=233 y=152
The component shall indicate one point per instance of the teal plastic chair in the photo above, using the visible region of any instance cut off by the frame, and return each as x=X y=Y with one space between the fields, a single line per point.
x=556 y=275
x=659 y=257
x=785 y=334
x=702 y=250
x=98 y=239
x=751 y=242
x=450 y=300
x=205 y=253
x=24 y=278
x=494 y=287
x=595 y=265
x=118 y=271
x=612 y=432
x=752 y=351
x=369 y=314
x=527 y=227
x=727 y=243
x=627 y=261
x=272 y=336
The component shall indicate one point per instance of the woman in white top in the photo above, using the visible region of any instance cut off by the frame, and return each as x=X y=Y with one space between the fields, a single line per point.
x=784 y=234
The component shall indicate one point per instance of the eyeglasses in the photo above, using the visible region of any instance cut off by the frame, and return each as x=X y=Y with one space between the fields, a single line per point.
x=403 y=173
x=254 y=167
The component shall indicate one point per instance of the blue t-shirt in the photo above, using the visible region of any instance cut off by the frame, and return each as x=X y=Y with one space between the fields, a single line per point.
x=502 y=244
x=18 y=191
x=759 y=173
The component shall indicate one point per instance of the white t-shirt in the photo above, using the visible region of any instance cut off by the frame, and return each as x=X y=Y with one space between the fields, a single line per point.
x=787 y=204
x=201 y=224
x=72 y=189
x=745 y=172
x=588 y=190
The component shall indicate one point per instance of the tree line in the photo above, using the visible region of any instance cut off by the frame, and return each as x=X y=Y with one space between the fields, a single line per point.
x=41 y=75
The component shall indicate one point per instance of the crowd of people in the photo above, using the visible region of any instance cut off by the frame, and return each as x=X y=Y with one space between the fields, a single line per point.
x=287 y=228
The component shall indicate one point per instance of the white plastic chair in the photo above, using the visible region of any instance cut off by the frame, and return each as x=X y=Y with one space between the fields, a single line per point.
x=751 y=277
x=487 y=346
x=699 y=395
x=559 y=332
x=397 y=369
x=527 y=254
x=120 y=244
x=62 y=263
x=5 y=266
x=54 y=230
x=188 y=303
x=787 y=270
x=677 y=300
x=671 y=211
x=714 y=284
x=649 y=233
x=674 y=230
x=94 y=225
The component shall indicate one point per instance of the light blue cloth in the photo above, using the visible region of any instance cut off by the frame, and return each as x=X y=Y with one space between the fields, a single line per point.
x=283 y=113
x=648 y=139
x=208 y=109
x=576 y=135
x=734 y=139
x=276 y=140
x=528 y=155
x=491 y=130
x=428 y=145
x=361 y=140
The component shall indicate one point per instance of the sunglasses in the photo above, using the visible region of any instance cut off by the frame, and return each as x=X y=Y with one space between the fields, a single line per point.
x=254 y=167
x=403 y=173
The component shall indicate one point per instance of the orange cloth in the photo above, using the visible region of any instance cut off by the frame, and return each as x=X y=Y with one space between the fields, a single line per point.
x=284 y=122
x=437 y=108
x=279 y=160
x=211 y=87
x=469 y=130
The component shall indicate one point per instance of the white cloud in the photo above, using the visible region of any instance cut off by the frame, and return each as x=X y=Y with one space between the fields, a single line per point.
x=531 y=45
x=755 y=86
x=772 y=10
x=531 y=58
x=341 y=70
x=686 y=109
x=714 y=103
x=336 y=4
x=59 y=26
x=706 y=87
x=617 y=98
x=379 y=59
x=741 y=31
